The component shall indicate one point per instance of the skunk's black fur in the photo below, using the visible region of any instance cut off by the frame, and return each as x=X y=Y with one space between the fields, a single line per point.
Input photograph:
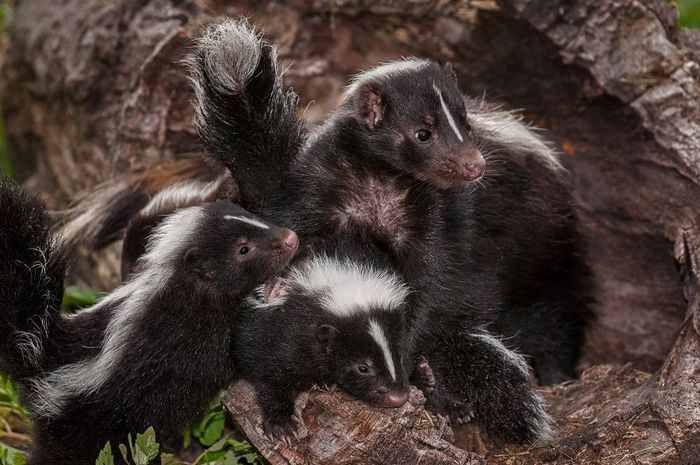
x=245 y=117
x=392 y=168
x=153 y=352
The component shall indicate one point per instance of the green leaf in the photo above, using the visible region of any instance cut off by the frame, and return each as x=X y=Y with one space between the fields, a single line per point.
x=106 y=457
x=211 y=428
x=9 y=399
x=124 y=451
x=11 y=456
x=146 y=447
x=75 y=296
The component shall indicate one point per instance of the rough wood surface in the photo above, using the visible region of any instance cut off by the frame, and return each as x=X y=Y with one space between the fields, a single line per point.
x=342 y=431
x=91 y=89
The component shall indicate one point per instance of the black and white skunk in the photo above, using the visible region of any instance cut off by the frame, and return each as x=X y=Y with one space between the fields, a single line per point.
x=391 y=170
x=151 y=353
x=333 y=321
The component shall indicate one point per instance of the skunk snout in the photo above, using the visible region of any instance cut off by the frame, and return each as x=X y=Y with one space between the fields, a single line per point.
x=290 y=240
x=471 y=165
x=386 y=397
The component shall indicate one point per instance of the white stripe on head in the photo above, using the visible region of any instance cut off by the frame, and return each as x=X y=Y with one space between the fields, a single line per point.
x=448 y=115
x=126 y=304
x=378 y=335
x=346 y=288
x=250 y=221
x=385 y=70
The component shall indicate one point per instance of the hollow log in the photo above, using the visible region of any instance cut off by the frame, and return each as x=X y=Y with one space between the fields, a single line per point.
x=91 y=89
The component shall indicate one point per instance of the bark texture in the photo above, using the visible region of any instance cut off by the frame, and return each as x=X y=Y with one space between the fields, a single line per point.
x=91 y=89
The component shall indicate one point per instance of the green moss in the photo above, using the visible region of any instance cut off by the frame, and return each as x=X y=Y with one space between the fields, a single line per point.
x=689 y=12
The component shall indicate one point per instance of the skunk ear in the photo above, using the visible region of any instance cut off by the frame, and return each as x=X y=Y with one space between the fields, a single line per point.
x=370 y=105
x=325 y=334
x=195 y=263
x=451 y=72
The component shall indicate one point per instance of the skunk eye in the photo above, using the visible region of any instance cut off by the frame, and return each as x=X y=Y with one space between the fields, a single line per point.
x=363 y=369
x=423 y=135
x=244 y=250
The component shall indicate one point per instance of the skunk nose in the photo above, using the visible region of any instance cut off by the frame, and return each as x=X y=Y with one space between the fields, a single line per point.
x=290 y=239
x=392 y=398
x=396 y=398
x=474 y=166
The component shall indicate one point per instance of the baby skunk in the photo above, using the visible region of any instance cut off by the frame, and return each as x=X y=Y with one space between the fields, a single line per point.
x=335 y=320
x=393 y=167
x=153 y=352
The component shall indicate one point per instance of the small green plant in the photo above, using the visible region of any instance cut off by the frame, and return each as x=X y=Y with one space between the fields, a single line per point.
x=222 y=446
x=76 y=297
x=10 y=403
x=11 y=456
x=140 y=452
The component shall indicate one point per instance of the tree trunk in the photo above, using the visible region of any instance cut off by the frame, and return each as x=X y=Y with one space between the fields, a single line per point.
x=91 y=89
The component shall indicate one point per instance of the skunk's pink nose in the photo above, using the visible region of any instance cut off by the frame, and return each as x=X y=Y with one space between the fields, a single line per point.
x=473 y=166
x=290 y=239
x=395 y=398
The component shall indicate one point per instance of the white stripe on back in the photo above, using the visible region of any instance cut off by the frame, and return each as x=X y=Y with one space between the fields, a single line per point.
x=247 y=220
x=448 y=115
x=378 y=334
x=346 y=288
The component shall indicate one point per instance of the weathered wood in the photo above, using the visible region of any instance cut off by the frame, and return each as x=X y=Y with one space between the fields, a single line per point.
x=340 y=430
x=92 y=89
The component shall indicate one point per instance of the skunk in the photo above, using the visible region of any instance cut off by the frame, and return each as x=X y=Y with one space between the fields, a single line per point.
x=334 y=320
x=151 y=353
x=472 y=210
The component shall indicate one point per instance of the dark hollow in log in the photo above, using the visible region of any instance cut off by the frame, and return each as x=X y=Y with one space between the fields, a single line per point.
x=91 y=89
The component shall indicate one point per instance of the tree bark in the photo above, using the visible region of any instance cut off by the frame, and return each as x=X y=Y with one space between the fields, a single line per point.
x=92 y=89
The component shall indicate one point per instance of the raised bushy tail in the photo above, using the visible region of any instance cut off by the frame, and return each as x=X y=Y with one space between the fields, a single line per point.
x=32 y=271
x=246 y=118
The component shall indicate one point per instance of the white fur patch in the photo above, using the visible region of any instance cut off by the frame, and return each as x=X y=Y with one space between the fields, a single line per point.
x=231 y=52
x=182 y=194
x=509 y=131
x=448 y=115
x=508 y=354
x=378 y=335
x=347 y=288
x=249 y=221
x=83 y=222
x=129 y=301
x=390 y=69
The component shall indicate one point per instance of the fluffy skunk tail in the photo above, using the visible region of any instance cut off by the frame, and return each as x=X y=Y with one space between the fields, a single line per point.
x=100 y=215
x=246 y=118
x=32 y=270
